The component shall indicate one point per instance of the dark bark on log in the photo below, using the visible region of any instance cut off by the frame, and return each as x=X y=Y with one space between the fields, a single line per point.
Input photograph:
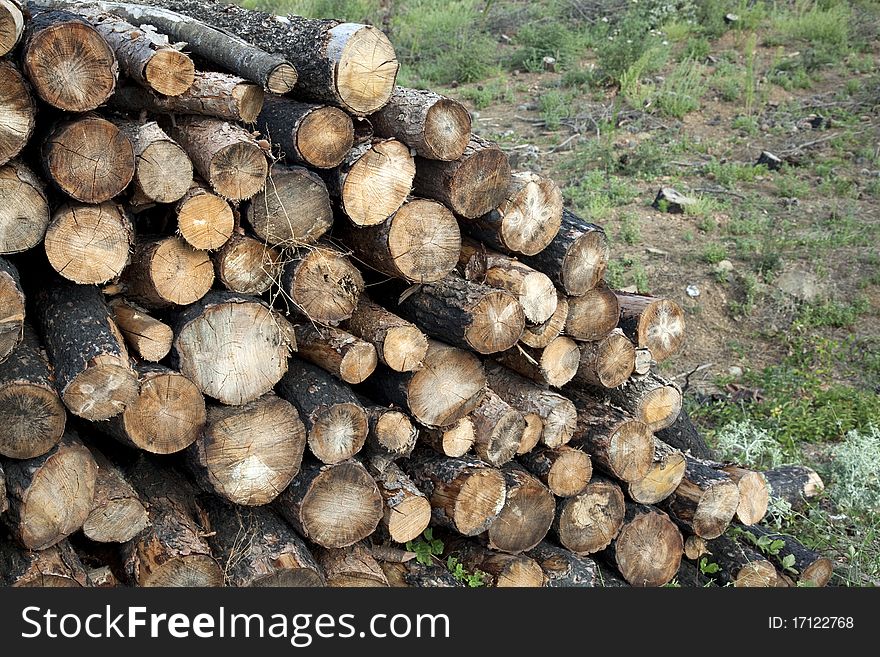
x=565 y=470
x=587 y=522
x=117 y=514
x=18 y=109
x=57 y=566
x=796 y=484
x=319 y=136
x=24 y=216
x=810 y=568
x=683 y=435
x=12 y=309
x=498 y=429
x=740 y=565
x=563 y=568
x=418 y=575
x=4 y=500
x=706 y=499
x=528 y=512
x=608 y=577
x=407 y=510
x=503 y=570
x=353 y=566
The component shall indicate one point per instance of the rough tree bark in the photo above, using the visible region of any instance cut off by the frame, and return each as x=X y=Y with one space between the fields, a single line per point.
x=554 y=365
x=563 y=568
x=319 y=136
x=664 y=475
x=399 y=344
x=455 y=440
x=57 y=566
x=498 y=429
x=407 y=509
x=336 y=351
x=653 y=400
x=353 y=566
x=796 y=484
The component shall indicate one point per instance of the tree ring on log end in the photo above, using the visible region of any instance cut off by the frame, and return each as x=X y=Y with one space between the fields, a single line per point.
x=327 y=286
x=18 y=111
x=32 y=420
x=289 y=577
x=532 y=218
x=449 y=386
x=424 y=239
x=497 y=324
x=649 y=567
x=584 y=264
x=338 y=433
x=154 y=177
x=661 y=328
x=205 y=220
x=560 y=361
x=479 y=501
x=631 y=451
x=282 y=79
x=404 y=348
x=325 y=136
x=366 y=68
x=757 y=574
x=172 y=257
x=378 y=183
x=659 y=407
x=409 y=518
x=101 y=391
x=479 y=184
x=168 y=415
x=169 y=72
x=194 y=570
x=716 y=509
x=239 y=171
x=447 y=129
x=523 y=572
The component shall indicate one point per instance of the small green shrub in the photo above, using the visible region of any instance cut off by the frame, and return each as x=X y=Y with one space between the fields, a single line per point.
x=742 y=441
x=854 y=477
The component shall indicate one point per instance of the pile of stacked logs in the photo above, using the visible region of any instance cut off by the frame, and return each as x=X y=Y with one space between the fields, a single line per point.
x=265 y=317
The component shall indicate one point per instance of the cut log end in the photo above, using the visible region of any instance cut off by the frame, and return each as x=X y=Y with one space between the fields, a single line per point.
x=716 y=509
x=479 y=500
x=324 y=285
x=248 y=266
x=169 y=72
x=560 y=361
x=19 y=112
x=538 y=297
x=447 y=130
x=164 y=171
x=204 y=219
x=455 y=441
x=584 y=265
x=118 y=521
x=664 y=476
x=324 y=137
x=378 y=183
x=409 y=518
x=589 y=521
x=448 y=387
x=24 y=214
x=394 y=432
x=540 y=335
x=526 y=516
x=11 y=26
x=172 y=257
x=661 y=328
x=238 y=171
x=570 y=473
x=338 y=432
x=631 y=451
x=648 y=550
x=754 y=495
x=32 y=419
x=102 y=391
x=498 y=322
x=659 y=407
x=531 y=435
x=404 y=348
x=533 y=215
x=282 y=79
x=593 y=314
x=424 y=241
x=607 y=363
x=757 y=574
x=480 y=182
x=367 y=68
x=12 y=312
x=194 y=570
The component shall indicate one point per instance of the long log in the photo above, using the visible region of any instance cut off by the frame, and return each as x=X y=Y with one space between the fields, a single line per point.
x=247 y=266
x=557 y=412
x=754 y=494
x=163 y=171
x=454 y=441
x=527 y=219
x=809 y=568
x=293 y=210
x=255 y=547
x=566 y=471
x=653 y=323
x=24 y=216
x=528 y=512
x=166 y=417
x=117 y=514
x=606 y=363
x=706 y=499
x=12 y=308
x=649 y=547
x=18 y=109
x=57 y=566
x=592 y=315
x=407 y=510
x=399 y=344
x=318 y=136
x=576 y=258
x=563 y=568
x=50 y=496
x=32 y=417
x=665 y=474
x=501 y=570
x=332 y=505
x=322 y=284
x=466 y=494
x=587 y=522
x=418 y=242
x=88 y=158
x=204 y=219
x=86 y=350
x=248 y=454
x=333 y=416
x=540 y=335
x=224 y=154
x=71 y=66
x=796 y=484
x=353 y=566
x=498 y=429
x=684 y=435
x=203 y=333
x=172 y=550
x=11 y=25
x=653 y=400
x=449 y=385
x=554 y=365
x=166 y=272
x=740 y=565
x=338 y=352
x=146 y=336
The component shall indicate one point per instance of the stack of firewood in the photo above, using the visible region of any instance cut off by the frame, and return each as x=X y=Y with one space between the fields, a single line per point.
x=265 y=317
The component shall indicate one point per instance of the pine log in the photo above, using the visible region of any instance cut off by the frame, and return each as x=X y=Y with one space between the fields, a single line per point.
x=528 y=512
x=86 y=350
x=418 y=243
x=555 y=365
x=796 y=484
x=294 y=210
x=470 y=186
x=372 y=181
x=466 y=314
x=50 y=496
x=416 y=574
x=351 y=567
x=12 y=308
x=89 y=244
x=651 y=322
x=332 y=505
x=248 y=454
x=503 y=570
x=322 y=284
x=466 y=494
x=563 y=568
x=454 y=441
x=558 y=413
x=163 y=171
x=407 y=510
x=540 y=335
x=338 y=352
x=740 y=565
x=617 y=442
x=146 y=336
x=498 y=429
x=587 y=522
x=57 y=566
x=171 y=551
x=527 y=219
x=204 y=219
x=117 y=514
x=167 y=272
x=32 y=417
x=18 y=110
x=566 y=471
x=334 y=417
x=576 y=258
x=218 y=95
x=256 y=548
x=643 y=361
x=683 y=435
x=167 y=416
x=706 y=499
x=247 y=266
x=754 y=494
x=11 y=25
x=592 y=315
x=391 y=434
x=24 y=215
x=533 y=290
x=810 y=568
x=201 y=350
x=648 y=549
x=69 y=63
x=449 y=385
x=318 y=136
x=651 y=399
x=665 y=474
x=224 y=154
x=532 y=434
x=606 y=363
x=399 y=344
x=143 y=55
x=88 y=158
